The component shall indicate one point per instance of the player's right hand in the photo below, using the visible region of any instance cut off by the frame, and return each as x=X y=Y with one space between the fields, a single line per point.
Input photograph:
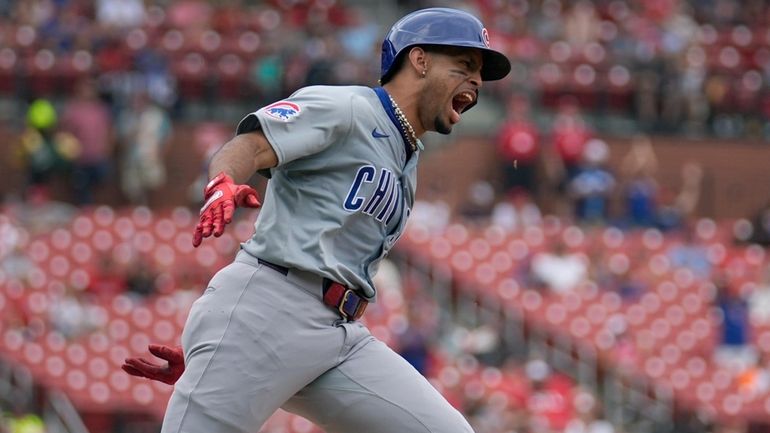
x=222 y=197
x=168 y=373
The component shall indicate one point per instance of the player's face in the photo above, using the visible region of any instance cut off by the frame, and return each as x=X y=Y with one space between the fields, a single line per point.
x=453 y=80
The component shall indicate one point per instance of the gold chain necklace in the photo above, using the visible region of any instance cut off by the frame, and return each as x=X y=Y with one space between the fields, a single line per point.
x=412 y=138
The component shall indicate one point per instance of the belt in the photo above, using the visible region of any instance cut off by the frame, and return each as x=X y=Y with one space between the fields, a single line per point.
x=335 y=295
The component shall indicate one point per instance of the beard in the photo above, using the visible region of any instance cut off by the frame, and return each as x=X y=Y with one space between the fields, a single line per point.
x=442 y=127
x=434 y=91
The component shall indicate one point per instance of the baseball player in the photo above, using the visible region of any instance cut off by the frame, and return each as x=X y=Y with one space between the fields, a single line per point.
x=278 y=327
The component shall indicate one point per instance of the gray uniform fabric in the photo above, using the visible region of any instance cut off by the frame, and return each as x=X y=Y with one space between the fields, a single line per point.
x=342 y=191
x=258 y=340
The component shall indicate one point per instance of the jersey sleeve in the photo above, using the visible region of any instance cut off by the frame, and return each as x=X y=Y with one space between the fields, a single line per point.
x=304 y=124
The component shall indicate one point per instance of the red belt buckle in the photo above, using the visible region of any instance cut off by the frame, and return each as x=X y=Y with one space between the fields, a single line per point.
x=346 y=301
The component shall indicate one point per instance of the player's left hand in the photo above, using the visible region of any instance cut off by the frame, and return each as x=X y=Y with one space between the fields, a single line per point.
x=222 y=197
x=168 y=373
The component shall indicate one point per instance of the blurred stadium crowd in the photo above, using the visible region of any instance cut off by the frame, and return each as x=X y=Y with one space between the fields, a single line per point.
x=692 y=67
x=96 y=263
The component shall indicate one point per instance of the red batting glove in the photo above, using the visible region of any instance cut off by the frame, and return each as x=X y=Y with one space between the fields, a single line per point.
x=168 y=373
x=222 y=197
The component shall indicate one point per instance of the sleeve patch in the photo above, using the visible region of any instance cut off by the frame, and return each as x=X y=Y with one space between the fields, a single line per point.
x=282 y=110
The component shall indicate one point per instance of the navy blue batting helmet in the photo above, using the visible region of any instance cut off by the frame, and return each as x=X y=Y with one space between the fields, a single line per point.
x=441 y=26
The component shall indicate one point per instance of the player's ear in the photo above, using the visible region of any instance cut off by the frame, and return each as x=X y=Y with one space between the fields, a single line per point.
x=418 y=60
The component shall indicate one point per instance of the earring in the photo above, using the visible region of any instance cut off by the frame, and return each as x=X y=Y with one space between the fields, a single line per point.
x=423 y=73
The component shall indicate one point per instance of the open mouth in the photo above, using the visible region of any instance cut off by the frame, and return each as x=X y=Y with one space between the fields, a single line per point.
x=461 y=101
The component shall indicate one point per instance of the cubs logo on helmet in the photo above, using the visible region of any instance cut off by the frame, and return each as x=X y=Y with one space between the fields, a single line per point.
x=283 y=110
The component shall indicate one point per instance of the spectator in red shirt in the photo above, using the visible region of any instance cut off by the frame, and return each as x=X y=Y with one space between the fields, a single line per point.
x=518 y=145
x=550 y=402
x=570 y=134
x=563 y=157
x=107 y=280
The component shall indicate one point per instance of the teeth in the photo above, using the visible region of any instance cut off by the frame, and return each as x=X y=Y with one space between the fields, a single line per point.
x=468 y=96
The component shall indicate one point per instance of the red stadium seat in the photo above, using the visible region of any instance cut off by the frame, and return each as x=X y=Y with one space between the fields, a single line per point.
x=143 y=393
x=99 y=392
x=141 y=317
x=41 y=73
x=620 y=88
x=9 y=71
x=55 y=366
x=76 y=379
x=192 y=73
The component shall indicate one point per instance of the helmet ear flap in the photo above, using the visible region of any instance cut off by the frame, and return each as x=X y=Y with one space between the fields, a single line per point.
x=395 y=63
x=389 y=61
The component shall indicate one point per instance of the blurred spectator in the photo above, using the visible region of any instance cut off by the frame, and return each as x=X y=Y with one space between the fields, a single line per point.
x=485 y=344
x=107 y=280
x=691 y=254
x=647 y=96
x=495 y=416
x=734 y=348
x=581 y=24
x=759 y=299
x=152 y=77
x=361 y=35
x=267 y=73
x=209 y=137
x=518 y=146
x=140 y=279
x=434 y=215
x=144 y=129
x=640 y=189
x=17 y=314
x=477 y=207
x=189 y=14
x=516 y=211
x=692 y=80
x=414 y=344
x=592 y=187
x=120 y=14
x=559 y=271
x=568 y=136
x=760 y=233
x=625 y=351
x=550 y=401
x=88 y=118
x=26 y=423
x=44 y=149
x=588 y=417
x=629 y=286
x=755 y=379
x=16 y=264
x=677 y=212
x=40 y=214
x=70 y=314
x=432 y=212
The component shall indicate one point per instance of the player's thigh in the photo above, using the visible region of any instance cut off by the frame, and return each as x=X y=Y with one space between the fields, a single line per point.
x=247 y=351
x=376 y=391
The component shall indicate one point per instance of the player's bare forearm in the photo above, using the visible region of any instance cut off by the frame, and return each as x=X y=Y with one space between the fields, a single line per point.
x=242 y=156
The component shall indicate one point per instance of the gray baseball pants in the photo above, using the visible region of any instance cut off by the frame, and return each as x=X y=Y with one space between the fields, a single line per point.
x=258 y=340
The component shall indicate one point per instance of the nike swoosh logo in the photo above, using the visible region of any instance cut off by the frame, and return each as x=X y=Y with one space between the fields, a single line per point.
x=378 y=134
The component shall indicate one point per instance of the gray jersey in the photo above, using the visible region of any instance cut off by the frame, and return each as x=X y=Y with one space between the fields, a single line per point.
x=341 y=193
